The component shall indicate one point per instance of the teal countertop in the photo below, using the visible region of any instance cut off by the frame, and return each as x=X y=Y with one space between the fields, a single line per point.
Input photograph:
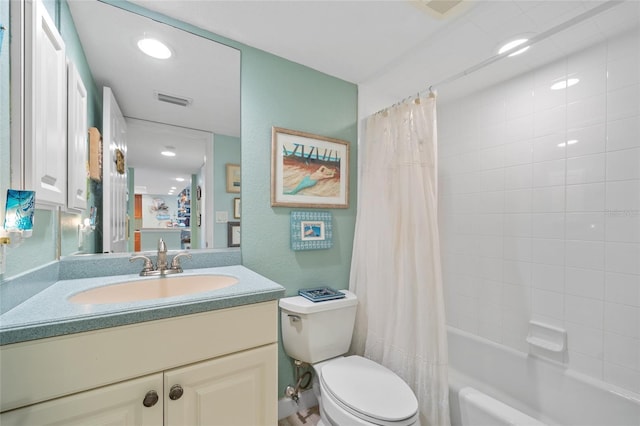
x=48 y=313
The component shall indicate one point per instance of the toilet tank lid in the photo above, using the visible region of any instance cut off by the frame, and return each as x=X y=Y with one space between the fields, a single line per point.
x=301 y=305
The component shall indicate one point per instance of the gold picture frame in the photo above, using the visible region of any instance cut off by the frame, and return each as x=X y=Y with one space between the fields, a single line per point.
x=308 y=170
x=236 y=208
x=233 y=178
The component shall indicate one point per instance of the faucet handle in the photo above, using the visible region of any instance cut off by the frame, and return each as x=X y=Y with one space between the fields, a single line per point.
x=148 y=264
x=175 y=263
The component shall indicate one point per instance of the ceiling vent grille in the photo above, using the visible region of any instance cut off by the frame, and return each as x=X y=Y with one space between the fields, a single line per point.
x=442 y=6
x=441 y=9
x=175 y=100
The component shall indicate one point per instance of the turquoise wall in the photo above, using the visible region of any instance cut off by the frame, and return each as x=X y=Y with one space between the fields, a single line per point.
x=280 y=93
x=41 y=247
x=226 y=149
x=76 y=54
x=277 y=92
x=37 y=250
x=5 y=161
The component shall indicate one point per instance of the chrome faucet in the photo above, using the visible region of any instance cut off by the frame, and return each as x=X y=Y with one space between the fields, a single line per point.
x=161 y=262
x=162 y=265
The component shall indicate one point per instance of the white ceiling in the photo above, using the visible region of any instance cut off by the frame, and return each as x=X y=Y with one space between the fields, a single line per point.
x=391 y=49
x=203 y=71
x=399 y=47
x=155 y=173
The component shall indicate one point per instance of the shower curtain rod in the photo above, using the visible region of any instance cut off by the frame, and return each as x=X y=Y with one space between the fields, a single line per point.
x=432 y=89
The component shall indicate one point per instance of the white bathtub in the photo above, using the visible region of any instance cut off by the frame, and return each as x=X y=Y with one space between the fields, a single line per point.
x=543 y=390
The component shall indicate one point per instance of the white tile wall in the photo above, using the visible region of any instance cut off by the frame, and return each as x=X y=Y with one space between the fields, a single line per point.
x=540 y=209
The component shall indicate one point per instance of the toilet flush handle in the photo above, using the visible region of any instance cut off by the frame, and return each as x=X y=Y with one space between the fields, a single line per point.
x=294 y=318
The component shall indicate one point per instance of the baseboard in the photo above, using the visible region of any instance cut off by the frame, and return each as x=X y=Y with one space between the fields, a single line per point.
x=287 y=406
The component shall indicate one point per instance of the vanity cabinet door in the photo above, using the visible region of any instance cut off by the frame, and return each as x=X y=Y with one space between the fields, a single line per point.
x=45 y=148
x=120 y=404
x=237 y=389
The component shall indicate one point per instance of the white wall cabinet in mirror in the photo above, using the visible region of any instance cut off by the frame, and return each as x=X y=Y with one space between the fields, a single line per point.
x=77 y=134
x=45 y=80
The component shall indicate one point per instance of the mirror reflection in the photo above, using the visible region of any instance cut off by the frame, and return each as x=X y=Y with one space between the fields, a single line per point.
x=179 y=127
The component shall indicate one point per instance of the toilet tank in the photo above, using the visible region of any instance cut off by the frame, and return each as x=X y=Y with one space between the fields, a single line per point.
x=315 y=331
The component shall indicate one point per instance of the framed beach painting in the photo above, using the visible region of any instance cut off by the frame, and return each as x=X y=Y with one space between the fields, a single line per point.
x=308 y=170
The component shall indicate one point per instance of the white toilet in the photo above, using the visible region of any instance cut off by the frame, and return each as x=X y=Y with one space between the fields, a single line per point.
x=350 y=390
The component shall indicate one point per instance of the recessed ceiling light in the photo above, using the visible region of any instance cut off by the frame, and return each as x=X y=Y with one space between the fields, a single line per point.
x=512 y=45
x=173 y=188
x=570 y=142
x=154 y=48
x=563 y=84
x=170 y=151
x=180 y=179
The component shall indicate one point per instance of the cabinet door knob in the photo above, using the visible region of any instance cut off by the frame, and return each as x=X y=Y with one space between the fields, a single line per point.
x=150 y=399
x=175 y=392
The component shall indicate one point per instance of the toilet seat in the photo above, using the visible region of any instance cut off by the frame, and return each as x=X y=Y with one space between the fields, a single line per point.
x=369 y=391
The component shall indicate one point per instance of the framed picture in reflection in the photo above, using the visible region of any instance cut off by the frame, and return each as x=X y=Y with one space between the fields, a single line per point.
x=233 y=178
x=236 y=208
x=233 y=234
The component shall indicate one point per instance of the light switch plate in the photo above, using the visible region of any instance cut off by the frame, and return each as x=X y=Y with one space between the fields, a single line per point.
x=222 y=217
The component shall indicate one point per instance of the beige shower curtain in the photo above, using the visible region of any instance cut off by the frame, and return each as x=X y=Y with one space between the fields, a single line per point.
x=395 y=270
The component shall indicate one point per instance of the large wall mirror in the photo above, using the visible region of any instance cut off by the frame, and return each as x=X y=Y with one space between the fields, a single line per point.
x=182 y=124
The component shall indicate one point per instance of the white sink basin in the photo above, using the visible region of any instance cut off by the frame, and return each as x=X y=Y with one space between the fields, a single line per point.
x=153 y=288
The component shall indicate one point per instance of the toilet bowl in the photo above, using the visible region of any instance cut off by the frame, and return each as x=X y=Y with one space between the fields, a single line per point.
x=351 y=390
x=358 y=391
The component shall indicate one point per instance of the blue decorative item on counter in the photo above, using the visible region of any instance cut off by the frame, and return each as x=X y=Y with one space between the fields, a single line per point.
x=19 y=211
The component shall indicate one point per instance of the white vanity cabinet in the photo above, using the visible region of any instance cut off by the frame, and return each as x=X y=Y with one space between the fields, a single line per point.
x=118 y=404
x=213 y=368
x=77 y=137
x=45 y=92
x=231 y=390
